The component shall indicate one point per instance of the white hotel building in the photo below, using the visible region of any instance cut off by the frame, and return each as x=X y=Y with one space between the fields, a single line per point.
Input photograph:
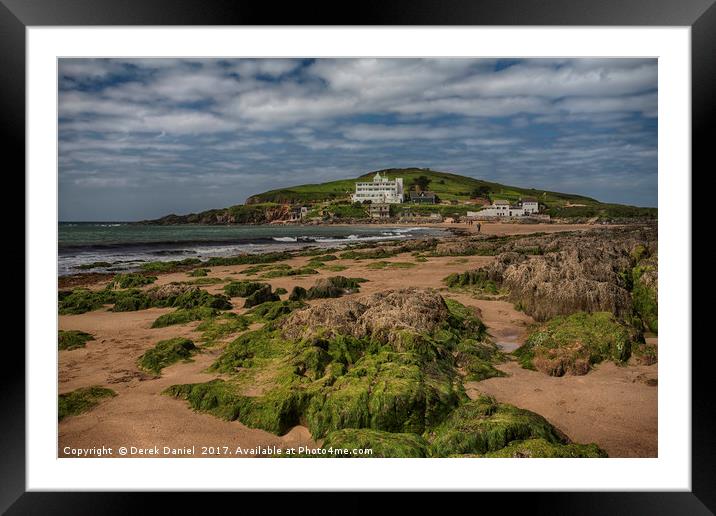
x=501 y=208
x=380 y=190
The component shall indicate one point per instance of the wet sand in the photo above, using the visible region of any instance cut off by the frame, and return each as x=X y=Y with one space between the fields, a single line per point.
x=612 y=406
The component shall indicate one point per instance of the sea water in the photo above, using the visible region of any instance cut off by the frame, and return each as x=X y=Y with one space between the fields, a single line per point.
x=125 y=246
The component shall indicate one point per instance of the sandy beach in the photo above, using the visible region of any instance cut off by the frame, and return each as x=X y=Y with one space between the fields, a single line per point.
x=612 y=406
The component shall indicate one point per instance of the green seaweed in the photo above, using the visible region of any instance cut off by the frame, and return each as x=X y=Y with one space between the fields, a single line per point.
x=543 y=449
x=645 y=300
x=82 y=300
x=272 y=310
x=369 y=254
x=260 y=296
x=476 y=278
x=81 y=400
x=220 y=326
x=165 y=353
x=390 y=265
x=342 y=443
x=280 y=273
x=73 y=339
x=572 y=344
x=330 y=287
x=243 y=288
x=169 y=266
x=131 y=280
x=482 y=425
x=183 y=316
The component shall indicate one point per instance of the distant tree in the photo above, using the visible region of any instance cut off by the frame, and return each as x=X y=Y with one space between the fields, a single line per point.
x=481 y=191
x=421 y=183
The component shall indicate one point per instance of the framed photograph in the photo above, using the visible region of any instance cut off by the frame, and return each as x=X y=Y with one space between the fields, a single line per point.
x=425 y=241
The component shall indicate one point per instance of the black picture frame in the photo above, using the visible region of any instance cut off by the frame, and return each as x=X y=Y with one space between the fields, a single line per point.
x=17 y=15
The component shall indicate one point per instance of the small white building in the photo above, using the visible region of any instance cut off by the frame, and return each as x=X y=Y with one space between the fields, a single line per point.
x=530 y=205
x=502 y=208
x=380 y=190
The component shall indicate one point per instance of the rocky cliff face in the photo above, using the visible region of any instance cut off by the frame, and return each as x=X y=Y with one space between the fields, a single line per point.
x=240 y=214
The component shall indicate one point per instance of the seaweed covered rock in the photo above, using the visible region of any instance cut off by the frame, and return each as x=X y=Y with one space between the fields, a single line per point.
x=131 y=280
x=73 y=339
x=277 y=411
x=81 y=400
x=386 y=391
x=381 y=444
x=297 y=294
x=483 y=425
x=272 y=310
x=165 y=353
x=388 y=362
x=130 y=301
x=334 y=286
x=382 y=316
x=169 y=291
x=487 y=245
x=371 y=253
x=243 y=288
x=182 y=295
x=261 y=295
x=553 y=275
x=478 y=279
x=645 y=290
x=81 y=300
x=543 y=449
x=572 y=344
x=220 y=326
x=184 y=315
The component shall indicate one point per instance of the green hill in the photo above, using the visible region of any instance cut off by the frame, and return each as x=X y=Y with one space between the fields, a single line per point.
x=446 y=185
x=333 y=200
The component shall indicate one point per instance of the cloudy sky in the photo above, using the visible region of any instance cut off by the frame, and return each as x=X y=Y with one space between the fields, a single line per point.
x=144 y=138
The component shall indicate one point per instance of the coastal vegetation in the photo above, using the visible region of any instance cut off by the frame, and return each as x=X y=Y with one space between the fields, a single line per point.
x=215 y=328
x=242 y=288
x=381 y=444
x=475 y=278
x=170 y=266
x=390 y=265
x=73 y=339
x=333 y=286
x=573 y=344
x=272 y=310
x=166 y=296
x=166 y=353
x=183 y=316
x=260 y=296
x=81 y=400
x=131 y=280
x=543 y=449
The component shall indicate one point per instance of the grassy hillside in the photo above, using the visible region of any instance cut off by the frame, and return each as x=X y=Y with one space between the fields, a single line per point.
x=447 y=186
x=332 y=201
